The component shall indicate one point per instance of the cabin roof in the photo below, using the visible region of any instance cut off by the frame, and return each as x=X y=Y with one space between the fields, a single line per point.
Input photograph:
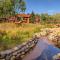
x=23 y=15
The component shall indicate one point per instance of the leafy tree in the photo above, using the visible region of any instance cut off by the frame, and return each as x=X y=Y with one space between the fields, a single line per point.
x=8 y=7
x=5 y=7
x=55 y=18
x=44 y=17
x=22 y=6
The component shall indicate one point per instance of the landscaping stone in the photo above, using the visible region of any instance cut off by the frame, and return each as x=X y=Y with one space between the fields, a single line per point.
x=18 y=51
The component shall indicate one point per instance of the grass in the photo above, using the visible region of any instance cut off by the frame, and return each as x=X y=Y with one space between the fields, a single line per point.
x=12 y=34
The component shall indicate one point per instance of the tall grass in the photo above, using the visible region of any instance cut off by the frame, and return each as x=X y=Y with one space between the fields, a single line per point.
x=12 y=34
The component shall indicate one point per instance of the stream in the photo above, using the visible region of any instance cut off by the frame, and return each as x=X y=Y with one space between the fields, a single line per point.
x=44 y=50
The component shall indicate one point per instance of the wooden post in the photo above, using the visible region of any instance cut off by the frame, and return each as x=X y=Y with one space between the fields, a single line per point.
x=27 y=20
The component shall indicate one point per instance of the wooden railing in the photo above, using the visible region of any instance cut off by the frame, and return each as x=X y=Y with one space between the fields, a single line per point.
x=18 y=52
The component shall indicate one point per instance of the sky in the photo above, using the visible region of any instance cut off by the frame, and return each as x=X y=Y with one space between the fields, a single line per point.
x=43 y=6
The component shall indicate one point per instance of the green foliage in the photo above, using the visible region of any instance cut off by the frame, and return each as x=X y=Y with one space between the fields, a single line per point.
x=23 y=6
x=56 y=18
x=44 y=17
x=5 y=8
x=9 y=7
x=32 y=18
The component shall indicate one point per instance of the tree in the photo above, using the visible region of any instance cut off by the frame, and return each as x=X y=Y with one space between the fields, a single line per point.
x=8 y=7
x=22 y=6
x=32 y=18
x=44 y=17
x=5 y=7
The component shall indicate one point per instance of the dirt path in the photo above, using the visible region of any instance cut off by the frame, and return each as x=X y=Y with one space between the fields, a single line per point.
x=41 y=45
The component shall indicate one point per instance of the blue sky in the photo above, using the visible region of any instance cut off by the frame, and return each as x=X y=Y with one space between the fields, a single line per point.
x=43 y=6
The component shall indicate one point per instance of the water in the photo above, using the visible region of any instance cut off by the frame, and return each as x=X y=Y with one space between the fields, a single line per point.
x=48 y=53
x=42 y=51
x=38 y=49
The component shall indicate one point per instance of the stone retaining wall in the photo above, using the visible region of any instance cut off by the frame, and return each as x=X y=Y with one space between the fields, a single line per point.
x=18 y=52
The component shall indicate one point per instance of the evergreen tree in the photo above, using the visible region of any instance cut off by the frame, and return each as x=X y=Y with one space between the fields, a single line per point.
x=32 y=18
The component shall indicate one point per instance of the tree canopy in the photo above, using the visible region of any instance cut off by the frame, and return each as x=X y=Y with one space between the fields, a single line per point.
x=9 y=7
